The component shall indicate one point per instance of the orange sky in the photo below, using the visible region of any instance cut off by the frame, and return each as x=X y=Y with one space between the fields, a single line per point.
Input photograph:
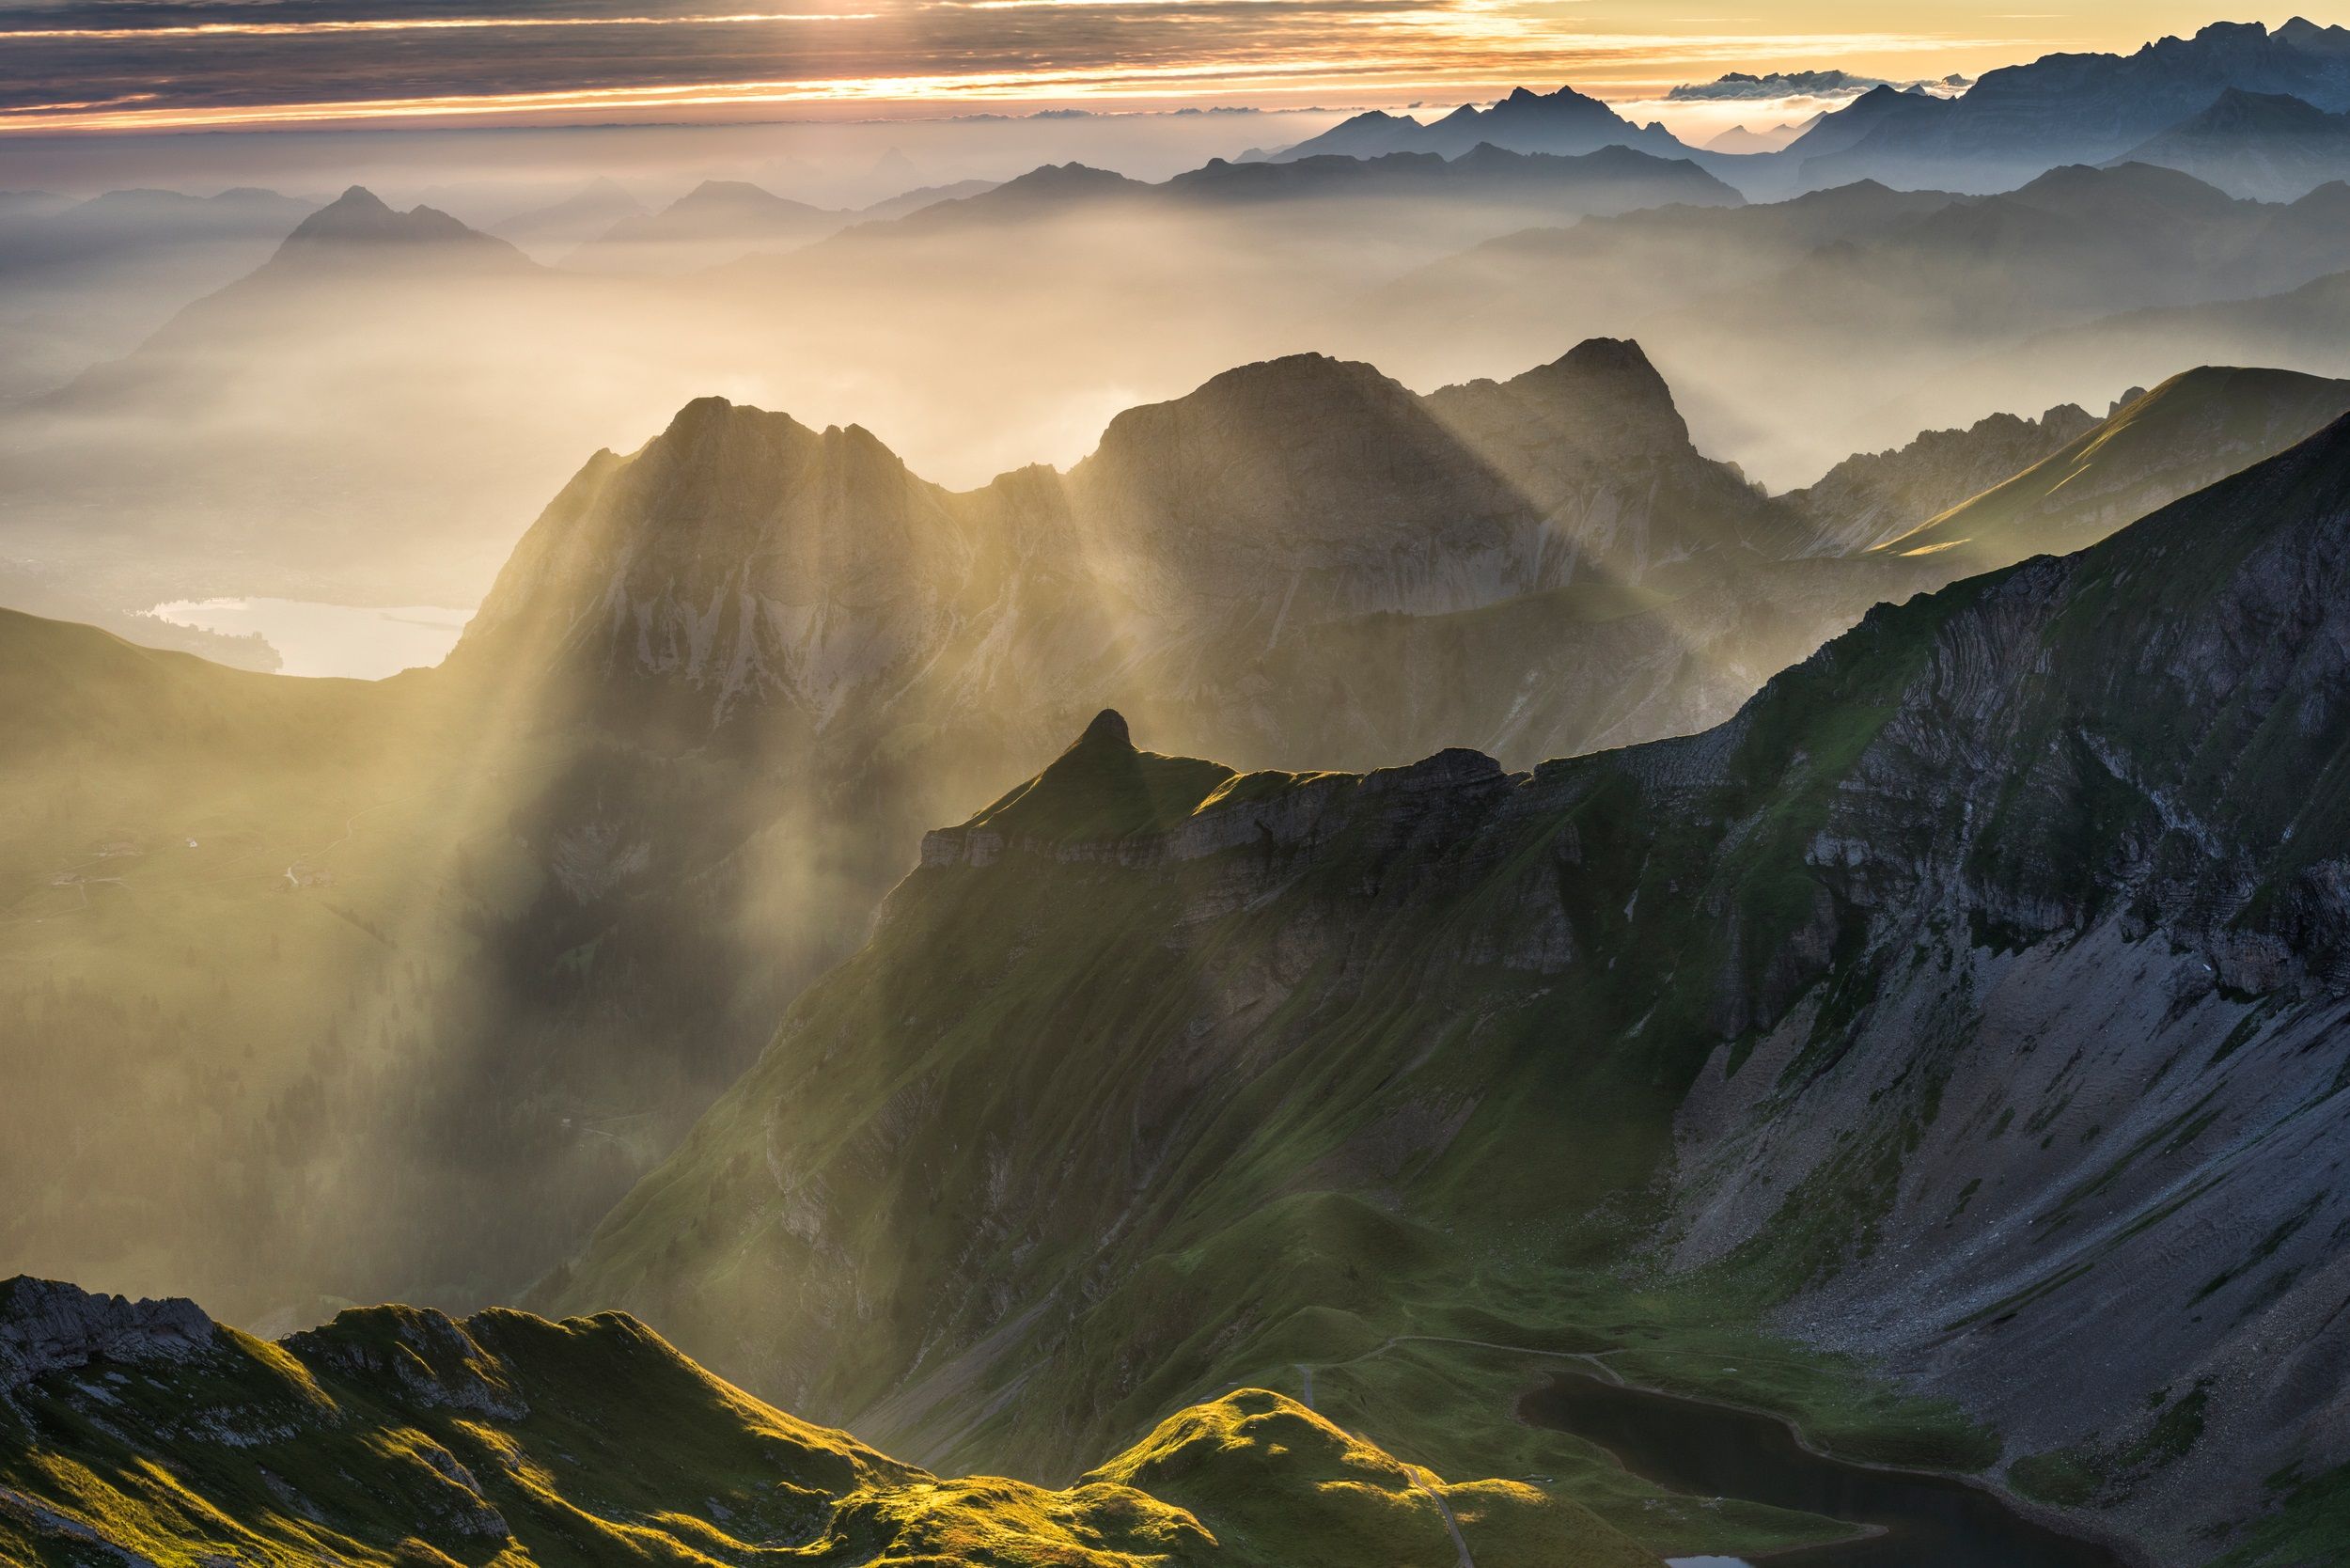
x=101 y=65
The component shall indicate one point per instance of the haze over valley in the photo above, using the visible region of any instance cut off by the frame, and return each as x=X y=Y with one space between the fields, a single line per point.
x=951 y=788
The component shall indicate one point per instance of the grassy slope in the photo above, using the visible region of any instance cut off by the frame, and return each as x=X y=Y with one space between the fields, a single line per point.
x=395 y=1437
x=1393 y=1060
x=2190 y=431
x=1356 y=1188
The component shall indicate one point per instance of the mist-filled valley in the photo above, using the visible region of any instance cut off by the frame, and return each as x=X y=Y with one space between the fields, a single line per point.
x=1200 y=814
x=372 y=411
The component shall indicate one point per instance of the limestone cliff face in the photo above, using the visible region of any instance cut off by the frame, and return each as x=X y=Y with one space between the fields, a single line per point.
x=767 y=575
x=1970 y=998
x=46 y=1327
x=765 y=566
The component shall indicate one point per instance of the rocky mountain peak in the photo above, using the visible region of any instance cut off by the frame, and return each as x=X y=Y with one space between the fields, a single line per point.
x=358 y=226
x=1602 y=397
x=46 y=1326
x=1618 y=368
x=359 y=217
x=2308 y=37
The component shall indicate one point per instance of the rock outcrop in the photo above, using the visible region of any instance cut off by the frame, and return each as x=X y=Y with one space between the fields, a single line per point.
x=49 y=1327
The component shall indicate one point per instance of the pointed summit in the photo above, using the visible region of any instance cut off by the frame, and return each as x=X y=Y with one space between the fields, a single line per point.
x=1108 y=729
x=1101 y=788
x=360 y=223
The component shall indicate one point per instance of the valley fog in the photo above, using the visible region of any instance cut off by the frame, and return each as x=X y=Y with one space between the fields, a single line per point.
x=377 y=408
x=1058 y=785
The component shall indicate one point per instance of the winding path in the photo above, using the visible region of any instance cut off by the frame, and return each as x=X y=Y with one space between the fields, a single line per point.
x=1444 y=1512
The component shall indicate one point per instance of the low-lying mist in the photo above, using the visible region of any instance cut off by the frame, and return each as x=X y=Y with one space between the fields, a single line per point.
x=373 y=414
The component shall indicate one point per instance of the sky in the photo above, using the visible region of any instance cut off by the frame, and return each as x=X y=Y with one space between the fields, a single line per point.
x=84 y=67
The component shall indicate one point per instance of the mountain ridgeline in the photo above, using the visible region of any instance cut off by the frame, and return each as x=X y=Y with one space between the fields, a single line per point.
x=1970 y=1001
x=560 y=888
x=2241 y=101
x=145 y=1432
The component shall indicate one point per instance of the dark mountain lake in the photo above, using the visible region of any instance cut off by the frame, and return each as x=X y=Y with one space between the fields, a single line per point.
x=1928 y=1521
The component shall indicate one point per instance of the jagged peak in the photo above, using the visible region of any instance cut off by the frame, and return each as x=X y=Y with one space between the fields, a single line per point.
x=1103 y=788
x=1617 y=368
x=712 y=416
x=357 y=198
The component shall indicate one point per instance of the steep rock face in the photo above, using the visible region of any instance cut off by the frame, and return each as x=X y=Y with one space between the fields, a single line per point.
x=757 y=561
x=1595 y=441
x=760 y=564
x=398 y=1435
x=47 y=1328
x=1334 y=490
x=2048 y=857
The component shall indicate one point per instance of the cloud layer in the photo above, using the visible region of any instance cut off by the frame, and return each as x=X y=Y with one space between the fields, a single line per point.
x=80 y=65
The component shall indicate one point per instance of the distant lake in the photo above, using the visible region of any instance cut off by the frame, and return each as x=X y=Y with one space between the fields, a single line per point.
x=365 y=641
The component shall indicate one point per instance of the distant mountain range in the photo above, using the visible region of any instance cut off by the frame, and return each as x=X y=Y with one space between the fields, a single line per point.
x=1812 y=307
x=2265 y=146
x=1740 y=87
x=548 y=232
x=460 y=344
x=83 y=281
x=2021 y=119
x=1563 y=122
x=2000 y=131
x=716 y=221
x=1520 y=187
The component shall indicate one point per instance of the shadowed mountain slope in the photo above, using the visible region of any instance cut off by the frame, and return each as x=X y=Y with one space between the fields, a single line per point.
x=530 y=913
x=1780 y=307
x=86 y=280
x=2264 y=145
x=1449 y=1038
